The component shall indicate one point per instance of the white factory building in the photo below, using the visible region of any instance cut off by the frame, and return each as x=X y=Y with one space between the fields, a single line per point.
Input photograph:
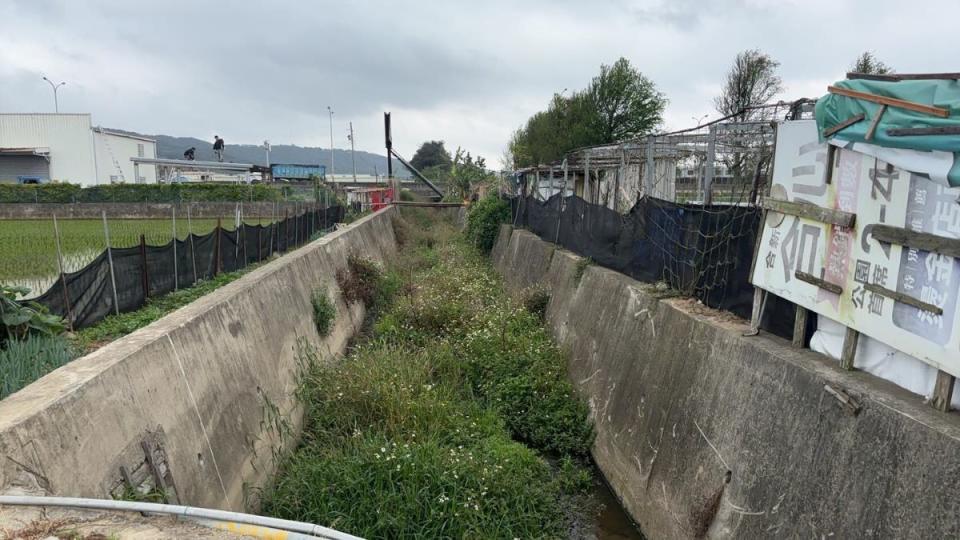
x=68 y=148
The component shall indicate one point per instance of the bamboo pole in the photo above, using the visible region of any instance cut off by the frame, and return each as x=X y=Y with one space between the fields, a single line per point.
x=193 y=252
x=176 y=283
x=113 y=278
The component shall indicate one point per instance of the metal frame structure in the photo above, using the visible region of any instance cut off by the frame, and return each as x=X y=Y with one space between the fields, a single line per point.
x=616 y=175
x=171 y=168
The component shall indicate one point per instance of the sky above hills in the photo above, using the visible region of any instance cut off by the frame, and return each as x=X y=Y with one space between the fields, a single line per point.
x=468 y=73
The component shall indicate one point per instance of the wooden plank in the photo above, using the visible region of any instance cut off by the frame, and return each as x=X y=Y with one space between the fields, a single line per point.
x=800 y=327
x=942 y=391
x=874 y=123
x=917 y=132
x=895 y=77
x=893 y=102
x=756 y=318
x=154 y=468
x=919 y=240
x=814 y=280
x=903 y=298
x=843 y=125
x=850 y=341
x=757 y=305
x=811 y=211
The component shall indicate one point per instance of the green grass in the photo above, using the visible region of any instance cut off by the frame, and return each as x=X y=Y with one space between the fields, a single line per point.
x=28 y=252
x=23 y=361
x=324 y=312
x=453 y=419
x=116 y=326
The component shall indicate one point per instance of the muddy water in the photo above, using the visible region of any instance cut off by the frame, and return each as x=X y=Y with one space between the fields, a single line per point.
x=612 y=523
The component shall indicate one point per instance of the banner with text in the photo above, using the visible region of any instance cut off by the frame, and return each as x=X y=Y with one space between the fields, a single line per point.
x=876 y=278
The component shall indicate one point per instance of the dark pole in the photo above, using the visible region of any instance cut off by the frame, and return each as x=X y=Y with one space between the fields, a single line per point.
x=144 y=273
x=216 y=262
x=389 y=141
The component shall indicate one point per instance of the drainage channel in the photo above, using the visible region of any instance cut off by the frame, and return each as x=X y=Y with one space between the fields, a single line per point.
x=612 y=522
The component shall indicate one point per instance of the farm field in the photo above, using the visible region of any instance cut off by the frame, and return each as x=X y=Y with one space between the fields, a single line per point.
x=28 y=252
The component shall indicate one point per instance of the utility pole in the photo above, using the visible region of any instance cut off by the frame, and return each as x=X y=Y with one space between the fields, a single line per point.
x=353 y=157
x=332 y=169
x=266 y=146
x=56 y=104
x=389 y=141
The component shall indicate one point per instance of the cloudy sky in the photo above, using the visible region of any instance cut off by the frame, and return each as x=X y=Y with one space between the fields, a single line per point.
x=468 y=73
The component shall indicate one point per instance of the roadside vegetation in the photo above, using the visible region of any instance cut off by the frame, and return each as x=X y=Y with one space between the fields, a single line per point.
x=161 y=193
x=33 y=342
x=451 y=418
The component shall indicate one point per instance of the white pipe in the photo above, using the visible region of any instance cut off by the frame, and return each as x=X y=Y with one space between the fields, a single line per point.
x=178 y=510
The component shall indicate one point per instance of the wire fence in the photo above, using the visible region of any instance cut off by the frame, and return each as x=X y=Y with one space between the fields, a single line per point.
x=681 y=207
x=121 y=279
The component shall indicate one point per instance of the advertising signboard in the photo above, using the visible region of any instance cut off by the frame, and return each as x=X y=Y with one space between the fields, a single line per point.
x=902 y=296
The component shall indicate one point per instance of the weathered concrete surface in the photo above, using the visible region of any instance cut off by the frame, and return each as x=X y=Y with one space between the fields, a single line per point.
x=682 y=401
x=198 y=210
x=35 y=522
x=210 y=381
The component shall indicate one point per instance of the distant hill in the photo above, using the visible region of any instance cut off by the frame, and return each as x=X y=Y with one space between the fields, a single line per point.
x=367 y=163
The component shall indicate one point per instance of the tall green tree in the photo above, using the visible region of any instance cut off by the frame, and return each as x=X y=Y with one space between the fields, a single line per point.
x=868 y=63
x=618 y=104
x=431 y=154
x=626 y=103
x=752 y=80
x=466 y=174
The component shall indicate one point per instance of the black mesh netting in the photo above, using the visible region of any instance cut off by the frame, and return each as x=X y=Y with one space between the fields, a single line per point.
x=145 y=271
x=701 y=251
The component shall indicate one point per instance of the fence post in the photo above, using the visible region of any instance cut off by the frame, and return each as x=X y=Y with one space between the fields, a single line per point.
x=711 y=158
x=216 y=253
x=236 y=229
x=651 y=166
x=616 y=182
x=273 y=229
x=565 y=177
x=176 y=277
x=193 y=252
x=244 y=229
x=144 y=272
x=113 y=278
x=326 y=206
x=63 y=276
x=556 y=240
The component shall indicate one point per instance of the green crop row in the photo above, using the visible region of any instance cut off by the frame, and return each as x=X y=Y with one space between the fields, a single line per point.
x=73 y=193
x=28 y=249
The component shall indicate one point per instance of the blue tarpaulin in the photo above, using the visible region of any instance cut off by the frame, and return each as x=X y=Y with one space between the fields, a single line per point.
x=941 y=150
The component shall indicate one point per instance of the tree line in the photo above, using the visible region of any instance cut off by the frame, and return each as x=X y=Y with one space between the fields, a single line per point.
x=622 y=104
x=619 y=104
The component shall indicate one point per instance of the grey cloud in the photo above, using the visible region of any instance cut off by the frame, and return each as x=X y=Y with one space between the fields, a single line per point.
x=468 y=73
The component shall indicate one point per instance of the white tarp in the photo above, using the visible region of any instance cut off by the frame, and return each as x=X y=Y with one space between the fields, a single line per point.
x=877 y=193
x=878 y=359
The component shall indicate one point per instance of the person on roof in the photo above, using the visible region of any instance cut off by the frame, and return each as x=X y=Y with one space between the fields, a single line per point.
x=218 y=147
x=190 y=154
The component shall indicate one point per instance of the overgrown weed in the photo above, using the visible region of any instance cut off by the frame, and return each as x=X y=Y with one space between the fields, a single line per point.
x=453 y=419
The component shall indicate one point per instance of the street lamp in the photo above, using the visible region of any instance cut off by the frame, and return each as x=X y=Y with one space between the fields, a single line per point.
x=332 y=170
x=56 y=105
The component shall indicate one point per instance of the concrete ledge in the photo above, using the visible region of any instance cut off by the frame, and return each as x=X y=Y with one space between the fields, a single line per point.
x=701 y=431
x=207 y=381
